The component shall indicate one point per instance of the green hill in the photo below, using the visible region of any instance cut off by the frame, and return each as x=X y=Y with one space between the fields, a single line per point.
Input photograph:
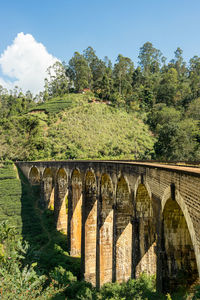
x=10 y=195
x=81 y=130
x=58 y=104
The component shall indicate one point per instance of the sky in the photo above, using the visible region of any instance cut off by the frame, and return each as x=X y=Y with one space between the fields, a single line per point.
x=34 y=33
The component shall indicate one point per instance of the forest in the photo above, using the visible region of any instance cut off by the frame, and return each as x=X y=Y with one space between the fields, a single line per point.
x=93 y=109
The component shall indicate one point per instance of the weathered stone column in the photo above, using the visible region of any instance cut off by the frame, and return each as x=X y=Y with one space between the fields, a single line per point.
x=106 y=230
x=90 y=226
x=76 y=219
x=46 y=188
x=123 y=239
x=146 y=235
x=60 y=206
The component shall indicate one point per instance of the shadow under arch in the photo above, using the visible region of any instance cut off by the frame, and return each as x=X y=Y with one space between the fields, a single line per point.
x=140 y=180
x=181 y=254
x=90 y=226
x=145 y=257
x=47 y=188
x=34 y=175
x=123 y=231
x=76 y=216
x=106 y=229
x=60 y=200
x=38 y=229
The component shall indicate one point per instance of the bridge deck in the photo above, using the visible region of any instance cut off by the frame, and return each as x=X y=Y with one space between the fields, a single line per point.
x=189 y=169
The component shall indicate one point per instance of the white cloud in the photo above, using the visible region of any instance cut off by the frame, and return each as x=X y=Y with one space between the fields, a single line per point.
x=6 y=83
x=25 y=62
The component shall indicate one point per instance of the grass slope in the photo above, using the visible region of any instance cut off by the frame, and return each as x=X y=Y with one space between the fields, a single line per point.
x=97 y=131
x=81 y=130
x=10 y=195
x=57 y=104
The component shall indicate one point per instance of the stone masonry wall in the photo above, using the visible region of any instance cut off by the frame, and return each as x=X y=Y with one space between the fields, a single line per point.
x=120 y=221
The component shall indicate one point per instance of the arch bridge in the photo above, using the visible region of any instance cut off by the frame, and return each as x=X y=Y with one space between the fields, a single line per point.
x=125 y=218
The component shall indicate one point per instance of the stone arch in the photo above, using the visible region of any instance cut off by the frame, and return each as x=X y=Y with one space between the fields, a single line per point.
x=144 y=231
x=123 y=230
x=47 y=173
x=106 y=229
x=90 y=225
x=34 y=175
x=181 y=257
x=61 y=201
x=141 y=180
x=76 y=219
x=47 y=187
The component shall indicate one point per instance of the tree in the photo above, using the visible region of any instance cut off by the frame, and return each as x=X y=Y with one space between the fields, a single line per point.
x=106 y=84
x=150 y=58
x=100 y=81
x=105 y=87
x=79 y=71
x=178 y=63
x=168 y=86
x=178 y=141
x=92 y=60
x=193 y=110
x=57 y=83
x=194 y=76
x=162 y=114
x=122 y=74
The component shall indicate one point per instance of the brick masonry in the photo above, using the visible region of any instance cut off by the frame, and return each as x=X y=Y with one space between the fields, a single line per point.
x=125 y=218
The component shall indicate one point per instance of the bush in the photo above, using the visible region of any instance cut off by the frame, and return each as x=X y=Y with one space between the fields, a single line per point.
x=19 y=276
x=197 y=293
x=80 y=290
x=61 y=277
x=141 y=288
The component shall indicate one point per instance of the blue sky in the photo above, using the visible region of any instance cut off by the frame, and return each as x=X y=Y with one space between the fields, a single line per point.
x=110 y=27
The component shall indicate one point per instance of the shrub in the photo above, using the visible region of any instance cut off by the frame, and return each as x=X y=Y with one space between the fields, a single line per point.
x=197 y=293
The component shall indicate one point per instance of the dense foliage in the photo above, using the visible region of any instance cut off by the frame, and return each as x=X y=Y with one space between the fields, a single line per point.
x=88 y=100
x=81 y=131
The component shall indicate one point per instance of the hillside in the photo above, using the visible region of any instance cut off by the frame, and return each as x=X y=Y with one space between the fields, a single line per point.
x=74 y=127
x=57 y=104
x=92 y=109
x=10 y=195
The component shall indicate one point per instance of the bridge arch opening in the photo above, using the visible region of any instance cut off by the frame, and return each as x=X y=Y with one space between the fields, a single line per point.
x=47 y=188
x=144 y=233
x=123 y=231
x=34 y=176
x=179 y=261
x=90 y=226
x=106 y=229
x=76 y=219
x=61 y=201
